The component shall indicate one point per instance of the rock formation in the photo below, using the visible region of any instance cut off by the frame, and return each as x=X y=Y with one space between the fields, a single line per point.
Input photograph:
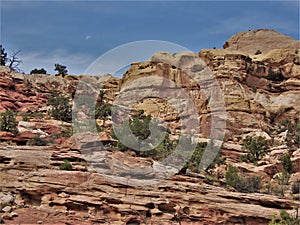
x=263 y=39
x=215 y=94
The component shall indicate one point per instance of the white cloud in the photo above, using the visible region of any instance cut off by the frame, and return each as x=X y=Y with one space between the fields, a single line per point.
x=87 y=37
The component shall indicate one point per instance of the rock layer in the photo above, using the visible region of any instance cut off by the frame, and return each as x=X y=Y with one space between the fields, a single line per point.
x=32 y=177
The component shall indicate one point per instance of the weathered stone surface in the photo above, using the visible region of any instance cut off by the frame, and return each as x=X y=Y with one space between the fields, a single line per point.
x=257 y=91
x=59 y=196
x=29 y=92
x=262 y=39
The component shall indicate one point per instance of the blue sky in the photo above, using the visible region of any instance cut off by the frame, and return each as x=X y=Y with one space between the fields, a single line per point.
x=75 y=33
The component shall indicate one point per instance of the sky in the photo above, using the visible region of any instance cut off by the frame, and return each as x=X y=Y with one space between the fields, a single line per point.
x=76 y=33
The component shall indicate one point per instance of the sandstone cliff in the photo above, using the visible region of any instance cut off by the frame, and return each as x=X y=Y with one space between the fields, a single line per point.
x=263 y=39
x=234 y=93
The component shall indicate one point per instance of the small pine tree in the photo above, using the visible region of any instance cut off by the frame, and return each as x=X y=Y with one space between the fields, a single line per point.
x=8 y=122
x=61 y=108
x=3 y=56
x=287 y=163
x=232 y=177
x=256 y=148
x=61 y=70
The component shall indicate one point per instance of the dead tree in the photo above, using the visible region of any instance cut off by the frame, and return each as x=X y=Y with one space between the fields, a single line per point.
x=14 y=61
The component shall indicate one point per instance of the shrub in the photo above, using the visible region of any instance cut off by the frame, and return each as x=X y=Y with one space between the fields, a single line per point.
x=287 y=163
x=242 y=184
x=162 y=150
x=38 y=141
x=194 y=161
x=283 y=179
x=256 y=148
x=8 y=122
x=293 y=135
x=66 y=132
x=139 y=126
x=103 y=111
x=248 y=184
x=232 y=177
x=296 y=187
x=286 y=219
x=38 y=71
x=61 y=108
x=258 y=52
x=66 y=165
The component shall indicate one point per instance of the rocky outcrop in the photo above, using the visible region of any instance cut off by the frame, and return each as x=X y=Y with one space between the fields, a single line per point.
x=255 y=89
x=263 y=39
x=227 y=91
x=35 y=184
x=29 y=92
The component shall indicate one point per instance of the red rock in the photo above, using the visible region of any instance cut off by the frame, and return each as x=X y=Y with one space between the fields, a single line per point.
x=5 y=134
x=8 y=105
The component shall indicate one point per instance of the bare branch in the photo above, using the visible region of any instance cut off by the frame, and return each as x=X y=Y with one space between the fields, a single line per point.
x=14 y=61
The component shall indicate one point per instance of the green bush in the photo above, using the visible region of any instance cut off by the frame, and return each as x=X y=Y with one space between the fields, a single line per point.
x=293 y=135
x=3 y=56
x=283 y=180
x=38 y=141
x=258 y=52
x=242 y=184
x=102 y=111
x=285 y=219
x=66 y=165
x=194 y=161
x=232 y=177
x=139 y=126
x=166 y=147
x=255 y=147
x=38 y=71
x=287 y=163
x=61 y=108
x=66 y=132
x=8 y=122
x=248 y=184
x=296 y=187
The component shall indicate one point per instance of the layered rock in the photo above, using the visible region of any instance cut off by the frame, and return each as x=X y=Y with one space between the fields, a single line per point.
x=256 y=90
x=55 y=196
x=29 y=93
x=262 y=39
x=231 y=91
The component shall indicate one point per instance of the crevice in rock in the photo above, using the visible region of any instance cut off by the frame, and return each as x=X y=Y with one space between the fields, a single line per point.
x=33 y=199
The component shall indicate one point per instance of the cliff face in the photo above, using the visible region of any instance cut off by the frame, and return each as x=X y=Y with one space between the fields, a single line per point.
x=38 y=191
x=257 y=92
x=263 y=40
x=231 y=91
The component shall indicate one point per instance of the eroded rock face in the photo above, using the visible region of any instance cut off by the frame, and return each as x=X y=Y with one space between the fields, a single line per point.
x=56 y=196
x=29 y=93
x=256 y=90
x=263 y=40
x=251 y=93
